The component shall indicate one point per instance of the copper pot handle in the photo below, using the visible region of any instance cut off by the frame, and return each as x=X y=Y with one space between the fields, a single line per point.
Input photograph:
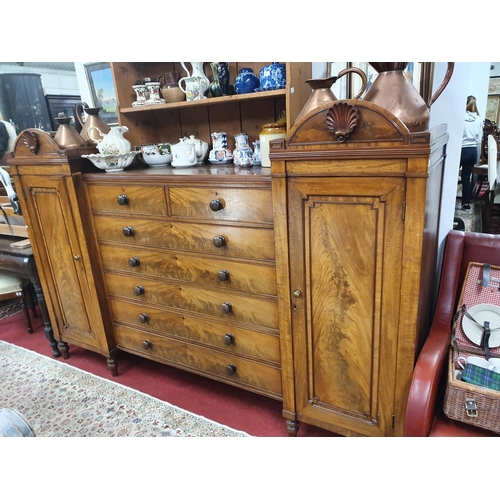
x=79 y=109
x=361 y=73
x=444 y=83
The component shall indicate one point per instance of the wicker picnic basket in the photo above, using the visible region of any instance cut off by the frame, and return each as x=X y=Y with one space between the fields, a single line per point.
x=463 y=401
x=470 y=403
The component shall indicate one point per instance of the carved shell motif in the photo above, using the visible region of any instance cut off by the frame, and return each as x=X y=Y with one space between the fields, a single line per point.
x=341 y=120
x=31 y=141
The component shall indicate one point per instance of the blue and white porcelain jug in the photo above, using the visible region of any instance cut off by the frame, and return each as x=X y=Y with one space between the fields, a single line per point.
x=242 y=155
x=220 y=154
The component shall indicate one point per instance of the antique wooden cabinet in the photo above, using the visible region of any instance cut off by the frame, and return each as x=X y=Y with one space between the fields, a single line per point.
x=47 y=180
x=356 y=203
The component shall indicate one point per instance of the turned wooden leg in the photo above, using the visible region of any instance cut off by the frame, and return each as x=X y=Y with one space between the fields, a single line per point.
x=64 y=348
x=113 y=367
x=49 y=333
x=25 y=309
x=292 y=426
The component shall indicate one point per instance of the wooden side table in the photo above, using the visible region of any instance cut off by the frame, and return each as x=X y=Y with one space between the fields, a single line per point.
x=21 y=262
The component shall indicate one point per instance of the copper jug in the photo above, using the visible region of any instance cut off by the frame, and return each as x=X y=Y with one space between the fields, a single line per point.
x=393 y=91
x=93 y=120
x=66 y=136
x=322 y=92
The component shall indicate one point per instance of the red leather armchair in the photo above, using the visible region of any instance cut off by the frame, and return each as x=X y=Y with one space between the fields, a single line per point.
x=424 y=413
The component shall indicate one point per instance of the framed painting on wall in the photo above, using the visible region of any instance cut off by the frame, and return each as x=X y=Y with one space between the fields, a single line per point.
x=102 y=89
x=492 y=108
x=494 y=86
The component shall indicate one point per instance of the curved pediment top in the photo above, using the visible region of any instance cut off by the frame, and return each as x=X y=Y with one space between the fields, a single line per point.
x=35 y=142
x=350 y=123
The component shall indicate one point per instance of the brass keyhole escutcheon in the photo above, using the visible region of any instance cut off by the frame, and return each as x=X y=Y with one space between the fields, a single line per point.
x=297 y=294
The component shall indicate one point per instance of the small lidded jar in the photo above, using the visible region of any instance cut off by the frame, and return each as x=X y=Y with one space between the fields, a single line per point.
x=269 y=132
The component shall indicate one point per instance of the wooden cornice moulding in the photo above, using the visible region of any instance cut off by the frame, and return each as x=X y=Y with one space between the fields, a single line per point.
x=358 y=123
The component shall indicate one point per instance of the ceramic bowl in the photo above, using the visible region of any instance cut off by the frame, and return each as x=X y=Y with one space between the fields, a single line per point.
x=156 y=155
x=112 y=163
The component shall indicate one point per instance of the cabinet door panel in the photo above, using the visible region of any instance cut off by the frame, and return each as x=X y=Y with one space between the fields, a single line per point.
x=63 y=259
x=345 y=263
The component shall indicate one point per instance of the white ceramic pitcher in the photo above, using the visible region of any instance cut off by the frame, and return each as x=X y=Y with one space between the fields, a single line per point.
x=112 y=143
x=195 y=84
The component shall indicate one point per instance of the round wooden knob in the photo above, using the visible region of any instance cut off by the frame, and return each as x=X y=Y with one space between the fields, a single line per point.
x=230 y=369
x=219 y=241
x=223 y=275
x=122 y=199
x=216 y=205
x=128 y=231
x=147 y=344
x=139 y=290
x=134 y=261
x=143 y=318
x=226 y=307
x=228 y=339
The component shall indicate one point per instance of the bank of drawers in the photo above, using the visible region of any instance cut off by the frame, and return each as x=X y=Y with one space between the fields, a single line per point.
x=191 y=279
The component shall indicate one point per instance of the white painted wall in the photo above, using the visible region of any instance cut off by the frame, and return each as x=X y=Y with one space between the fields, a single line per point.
x=468 y=79
x=83 y=83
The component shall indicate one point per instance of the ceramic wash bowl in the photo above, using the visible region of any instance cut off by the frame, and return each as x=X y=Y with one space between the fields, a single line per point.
x=156 y=155
x=112 y=163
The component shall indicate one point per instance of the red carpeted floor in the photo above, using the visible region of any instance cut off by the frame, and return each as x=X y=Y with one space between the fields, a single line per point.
x=239 y=409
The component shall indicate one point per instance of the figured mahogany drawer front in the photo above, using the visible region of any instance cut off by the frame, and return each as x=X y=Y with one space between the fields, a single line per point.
x=128 y=199
x=226 y=367
x=228 y=338
x=230 y=204
x=230 y=306
x=215 y=271
x=229 y=241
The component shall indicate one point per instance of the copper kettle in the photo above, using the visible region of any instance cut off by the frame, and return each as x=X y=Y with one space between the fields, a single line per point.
x=393 y=91
x=93 y=120
x=322 y=92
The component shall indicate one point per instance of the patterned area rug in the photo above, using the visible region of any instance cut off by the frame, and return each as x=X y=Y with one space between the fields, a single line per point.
x=9 y=307
x=58 y=400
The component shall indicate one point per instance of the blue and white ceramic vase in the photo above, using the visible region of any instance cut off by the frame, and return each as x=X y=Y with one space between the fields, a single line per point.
x=256 y=158
x=246 y=81
x=273 y=77
x=224 y=78
x=242 y=155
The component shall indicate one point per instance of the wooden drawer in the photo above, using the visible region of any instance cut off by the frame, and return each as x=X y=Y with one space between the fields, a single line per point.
x=138 y=199
x=245 y=242
x=228 y=338
x=245 y=308
x=249 y=374
x=237 y=275
x=237 y=204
